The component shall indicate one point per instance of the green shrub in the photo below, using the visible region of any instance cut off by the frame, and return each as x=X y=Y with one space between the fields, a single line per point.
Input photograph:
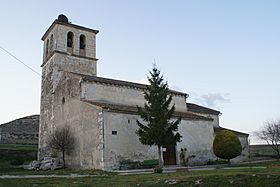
x=226 y=145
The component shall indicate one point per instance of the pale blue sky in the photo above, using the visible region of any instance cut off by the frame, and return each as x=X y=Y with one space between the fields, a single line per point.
x=225 y=54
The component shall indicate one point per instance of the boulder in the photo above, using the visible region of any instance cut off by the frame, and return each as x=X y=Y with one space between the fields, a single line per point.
x=45 y=164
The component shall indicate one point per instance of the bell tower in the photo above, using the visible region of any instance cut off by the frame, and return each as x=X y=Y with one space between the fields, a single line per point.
x=67 y=47
x=70 y=47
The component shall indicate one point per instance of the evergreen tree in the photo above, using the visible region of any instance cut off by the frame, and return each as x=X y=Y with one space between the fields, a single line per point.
x=157 y=128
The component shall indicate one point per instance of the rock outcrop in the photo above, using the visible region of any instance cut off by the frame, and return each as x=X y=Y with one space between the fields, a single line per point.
x=20 y=131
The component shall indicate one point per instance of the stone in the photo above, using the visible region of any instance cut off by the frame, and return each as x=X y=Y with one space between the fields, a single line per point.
x=20 y=131
x=47 y=163
x=170 y=181
x=33 y=165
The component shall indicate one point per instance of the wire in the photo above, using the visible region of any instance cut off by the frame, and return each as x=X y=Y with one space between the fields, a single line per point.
x=20 y=61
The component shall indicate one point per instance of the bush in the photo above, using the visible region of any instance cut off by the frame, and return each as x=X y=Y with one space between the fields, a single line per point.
x=226 y=145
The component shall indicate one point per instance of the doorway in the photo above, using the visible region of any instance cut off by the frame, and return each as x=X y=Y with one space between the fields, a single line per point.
x=169 y=156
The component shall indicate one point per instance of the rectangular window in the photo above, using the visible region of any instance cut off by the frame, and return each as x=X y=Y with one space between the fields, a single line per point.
x=114 y=132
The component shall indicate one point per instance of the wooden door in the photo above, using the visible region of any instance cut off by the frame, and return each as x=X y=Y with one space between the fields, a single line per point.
x=169 y=156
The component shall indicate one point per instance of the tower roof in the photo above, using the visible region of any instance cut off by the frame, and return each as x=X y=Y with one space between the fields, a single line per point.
x=63 y=20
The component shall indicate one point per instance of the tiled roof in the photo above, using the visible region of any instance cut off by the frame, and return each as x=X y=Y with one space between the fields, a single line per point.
x=201 y=109
x=218 y=129
x=133 y=110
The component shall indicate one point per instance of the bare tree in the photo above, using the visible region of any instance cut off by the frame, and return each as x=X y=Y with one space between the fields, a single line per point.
x=271 y=134
x=62 y=140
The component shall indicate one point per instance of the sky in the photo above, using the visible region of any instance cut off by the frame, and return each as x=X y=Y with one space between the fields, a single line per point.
x=224 y=54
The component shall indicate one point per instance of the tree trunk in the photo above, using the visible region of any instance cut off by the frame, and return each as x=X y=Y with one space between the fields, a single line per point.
x=63 y=158
x=160 y=164
x=228 y=162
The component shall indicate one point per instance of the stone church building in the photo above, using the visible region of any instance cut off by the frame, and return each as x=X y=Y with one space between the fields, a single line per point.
x=102 y=112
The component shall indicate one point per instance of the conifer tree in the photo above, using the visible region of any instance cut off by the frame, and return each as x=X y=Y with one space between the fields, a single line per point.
x=156 y=127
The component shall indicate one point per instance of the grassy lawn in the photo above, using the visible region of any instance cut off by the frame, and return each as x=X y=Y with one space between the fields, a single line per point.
x=18 y=147
x=269 y=176
x=220 y=177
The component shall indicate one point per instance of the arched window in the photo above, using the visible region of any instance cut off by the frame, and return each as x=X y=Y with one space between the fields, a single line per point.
x=47 y=48
x=51 y=43
x=70 y=39
x=82 y=42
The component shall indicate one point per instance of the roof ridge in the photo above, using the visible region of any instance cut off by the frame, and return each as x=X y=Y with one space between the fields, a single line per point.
x=222 y=128
x=124 y=83
x=113 y=107
x=201 y=109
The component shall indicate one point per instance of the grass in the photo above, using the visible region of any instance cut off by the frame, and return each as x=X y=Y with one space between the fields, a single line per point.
x=16 y=154
x=239 y=177
x=18 y=147
x=269 y=176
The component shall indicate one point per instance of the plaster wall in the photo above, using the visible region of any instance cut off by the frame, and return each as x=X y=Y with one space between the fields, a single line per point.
x=245 y=149
x=215 y=118
x=124 y=145
x=84 y=122
x=122 y=95
x=198 y=137
x=66 y=109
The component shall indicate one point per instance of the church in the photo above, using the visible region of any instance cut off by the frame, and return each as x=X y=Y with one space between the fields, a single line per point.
x=101 y=113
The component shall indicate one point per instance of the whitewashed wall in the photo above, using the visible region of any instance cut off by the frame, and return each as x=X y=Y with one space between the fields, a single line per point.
x=122 y=95
x=197 y=138
x=125 y=145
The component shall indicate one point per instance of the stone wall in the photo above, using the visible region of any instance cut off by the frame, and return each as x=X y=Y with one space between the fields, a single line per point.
x=59 y=43
x=20 y=131
x=82 y=119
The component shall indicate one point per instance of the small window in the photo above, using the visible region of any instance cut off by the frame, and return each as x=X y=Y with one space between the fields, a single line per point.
x=82 y=42
x=128 y=121
x=51 y=43
x=63 y=100
x=70 y=39
x=47 y=47
x=114 y=132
